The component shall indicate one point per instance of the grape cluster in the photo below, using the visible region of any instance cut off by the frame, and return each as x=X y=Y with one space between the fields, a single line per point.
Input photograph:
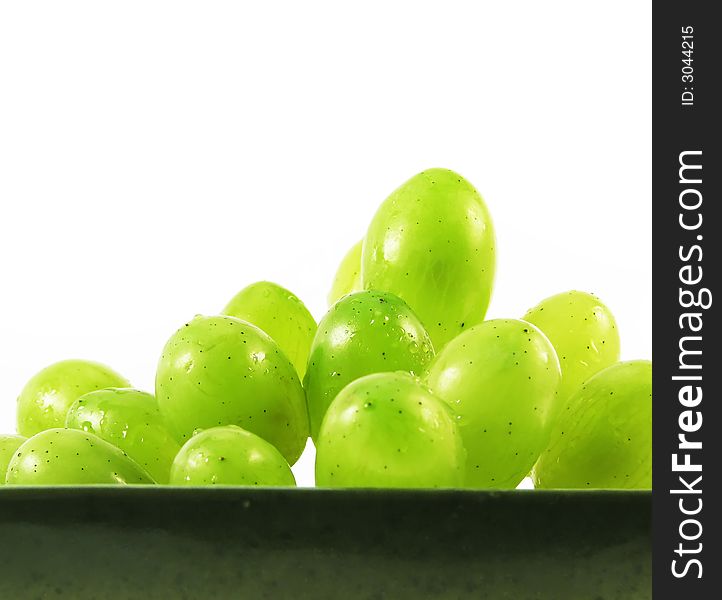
x=403 y=383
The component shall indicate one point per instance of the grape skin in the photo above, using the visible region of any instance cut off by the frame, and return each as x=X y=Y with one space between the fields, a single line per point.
x=363 y=333
x=603 y=438
x=8 y=446
x=220 y=370
x=432 y=244
x=348 y=276
x=500 y=378
x=46 y=398
x=70 y=457
x=582 y=330
x=389 y=430
x=279 y=313
x=230 y=456
x=130 y=420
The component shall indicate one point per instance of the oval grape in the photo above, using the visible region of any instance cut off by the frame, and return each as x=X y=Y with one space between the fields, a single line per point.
x=501 y=379
x=389 y=430
x=281 y=315
x=130 y=420
x=348 y=276
x=230 y=456
x=432 y=244
x=583 y=332
x=72 y=457
x=603 y=438
x=46 y=398
x=223 y=371
x=363 y=333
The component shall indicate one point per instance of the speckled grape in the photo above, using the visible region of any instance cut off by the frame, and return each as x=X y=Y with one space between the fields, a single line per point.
x=281 y=315
x=230 y=456
x=432 y=243
x=72 y=457
x=223 y=371
x=583 y=332
x=501 y=379
x=363 y=333
x=603 y=437
x=46 y=398
x=130 y=420
x=389 y=430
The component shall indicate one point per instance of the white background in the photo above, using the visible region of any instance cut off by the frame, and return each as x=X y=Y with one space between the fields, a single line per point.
x=157 y=157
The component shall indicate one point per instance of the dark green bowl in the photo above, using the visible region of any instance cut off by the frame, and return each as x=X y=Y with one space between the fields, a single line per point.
x=174 y=543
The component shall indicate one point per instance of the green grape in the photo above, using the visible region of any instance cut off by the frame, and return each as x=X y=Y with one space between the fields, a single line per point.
x=603 y=437
x=501 y=379
x=389 y=430
x=130 y=420
x=72 y=457
x=348 y=277
x=8 y=445
x=46 y=398
x=281 y=315
x=584 y=333
x=363 y=333
x=230 y=456
x=432 y=243
x=223 y=371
